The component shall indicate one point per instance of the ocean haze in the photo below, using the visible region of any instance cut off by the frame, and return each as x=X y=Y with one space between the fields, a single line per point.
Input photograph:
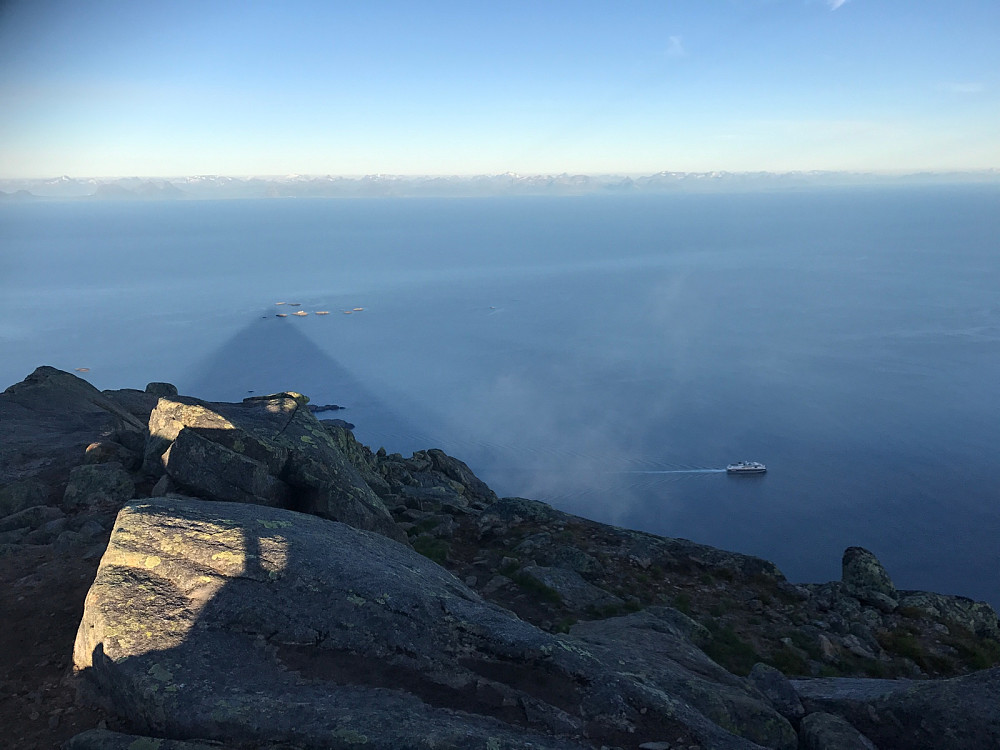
x=223 y=187
x=604 y=353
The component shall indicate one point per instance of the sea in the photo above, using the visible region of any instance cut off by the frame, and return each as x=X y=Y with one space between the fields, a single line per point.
x=607 y=354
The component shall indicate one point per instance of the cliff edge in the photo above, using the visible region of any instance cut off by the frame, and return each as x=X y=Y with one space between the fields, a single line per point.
x=248 y=576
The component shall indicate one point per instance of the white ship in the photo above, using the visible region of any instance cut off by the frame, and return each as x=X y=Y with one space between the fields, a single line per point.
x=746 y=467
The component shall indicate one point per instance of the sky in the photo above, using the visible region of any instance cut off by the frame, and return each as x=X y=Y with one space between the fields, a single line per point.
x=109 y=88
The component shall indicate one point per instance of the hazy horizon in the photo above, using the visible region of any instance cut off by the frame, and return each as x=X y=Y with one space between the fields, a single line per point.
x=225 y=187
x=112 y=88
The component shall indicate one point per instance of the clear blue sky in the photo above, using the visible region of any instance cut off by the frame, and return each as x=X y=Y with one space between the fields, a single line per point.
x=170 y=88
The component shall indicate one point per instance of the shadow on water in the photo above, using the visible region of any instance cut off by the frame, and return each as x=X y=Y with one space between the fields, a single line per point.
x=272 y=355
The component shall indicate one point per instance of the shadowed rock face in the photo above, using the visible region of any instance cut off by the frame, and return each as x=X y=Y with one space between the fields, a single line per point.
x=252 y=624
x=821 y=731
x=267 y=450
x=48 y=421
x=914 y=715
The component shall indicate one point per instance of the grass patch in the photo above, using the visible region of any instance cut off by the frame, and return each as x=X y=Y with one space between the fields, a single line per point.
x=789 y=662
x=902 y=642
x=564 y=625
x=974 y=652
x=807 y=643
x=433 y=549
x=682 y=603
x=730 y=651
x=911 y=613
x=535 y=587
x=613 y=610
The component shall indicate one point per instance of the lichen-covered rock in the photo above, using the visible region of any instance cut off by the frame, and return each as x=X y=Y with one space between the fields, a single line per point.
x=93 y=484
x=976 y=617
x=475 y=490
x=822 y=731
x=255 y=625
x=172 y=415
x=864 y=578
x=359 y=455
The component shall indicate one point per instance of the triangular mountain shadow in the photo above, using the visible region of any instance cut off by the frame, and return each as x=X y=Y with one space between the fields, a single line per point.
x=270 y=355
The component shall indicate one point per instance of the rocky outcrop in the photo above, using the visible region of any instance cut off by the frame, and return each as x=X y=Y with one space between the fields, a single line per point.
x=266 y=596
x=257 y=625
x=865 y=579
x=49 y=419
x=914 y=715
x=975 y=617
x=268 y=450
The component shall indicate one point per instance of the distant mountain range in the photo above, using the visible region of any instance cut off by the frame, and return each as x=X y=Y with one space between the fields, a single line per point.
x=204 y=187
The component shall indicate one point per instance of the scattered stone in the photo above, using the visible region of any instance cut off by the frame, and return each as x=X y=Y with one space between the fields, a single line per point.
x=778 y=690
x=30 y=518
x=90 y=529
x=109 y=451
x=822 y=731
x=20 y=495
x=92 y=484
x=47 y=532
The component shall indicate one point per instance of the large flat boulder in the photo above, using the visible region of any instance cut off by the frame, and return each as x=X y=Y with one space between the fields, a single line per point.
x=254 y=625
x=656 y=645
x=960 y=712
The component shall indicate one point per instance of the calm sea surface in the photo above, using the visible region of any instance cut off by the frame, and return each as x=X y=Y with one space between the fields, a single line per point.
x=607 y=355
